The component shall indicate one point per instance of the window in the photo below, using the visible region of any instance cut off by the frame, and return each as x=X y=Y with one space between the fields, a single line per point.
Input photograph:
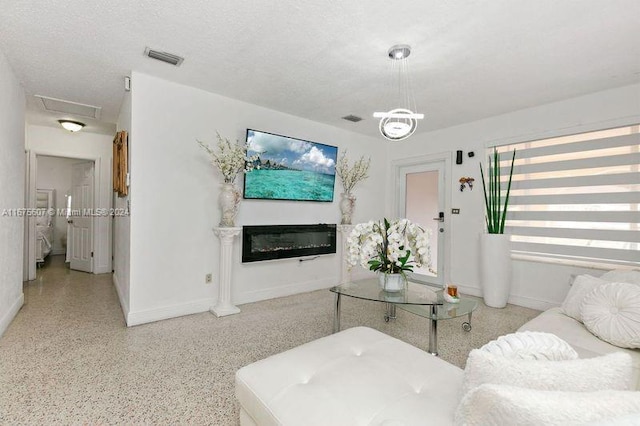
x=577 y=197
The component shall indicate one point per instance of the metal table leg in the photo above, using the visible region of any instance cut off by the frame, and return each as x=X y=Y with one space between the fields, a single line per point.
x=433 y=332
x=336 y=315
x=466 y=326
x=391 y=312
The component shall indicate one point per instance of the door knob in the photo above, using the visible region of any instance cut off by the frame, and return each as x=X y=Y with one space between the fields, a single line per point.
x=69 y=221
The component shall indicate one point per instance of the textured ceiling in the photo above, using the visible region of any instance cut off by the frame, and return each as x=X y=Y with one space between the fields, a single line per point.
x=325 y=59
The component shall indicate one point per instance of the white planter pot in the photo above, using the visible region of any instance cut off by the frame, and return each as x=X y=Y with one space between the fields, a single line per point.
x=495 y=269
x=391 y=282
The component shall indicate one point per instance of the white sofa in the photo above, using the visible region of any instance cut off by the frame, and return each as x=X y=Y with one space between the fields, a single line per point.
x=576 y=334
x=361 y=376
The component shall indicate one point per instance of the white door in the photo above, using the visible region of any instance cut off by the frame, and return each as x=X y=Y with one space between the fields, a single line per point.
x=80 y=220
x=422 y=193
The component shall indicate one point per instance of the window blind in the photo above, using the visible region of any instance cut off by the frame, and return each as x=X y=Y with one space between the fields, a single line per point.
x=576 y=197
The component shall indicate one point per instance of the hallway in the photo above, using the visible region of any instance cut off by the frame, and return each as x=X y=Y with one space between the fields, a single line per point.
x=54 y=353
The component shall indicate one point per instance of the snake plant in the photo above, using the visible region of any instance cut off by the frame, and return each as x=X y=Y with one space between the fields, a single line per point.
x=496 y=209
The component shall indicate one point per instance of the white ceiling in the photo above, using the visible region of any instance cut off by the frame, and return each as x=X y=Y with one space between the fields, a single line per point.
x=325 y=59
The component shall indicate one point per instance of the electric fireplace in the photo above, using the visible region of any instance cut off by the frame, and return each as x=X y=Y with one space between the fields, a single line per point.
x=267 y=242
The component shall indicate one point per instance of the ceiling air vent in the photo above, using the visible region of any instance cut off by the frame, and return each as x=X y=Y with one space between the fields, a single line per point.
x=169 y=58
x=68 y=107
x=352 y=118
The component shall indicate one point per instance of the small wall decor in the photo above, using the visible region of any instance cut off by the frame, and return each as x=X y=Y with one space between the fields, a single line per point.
x=120 y=163
x=464 y=181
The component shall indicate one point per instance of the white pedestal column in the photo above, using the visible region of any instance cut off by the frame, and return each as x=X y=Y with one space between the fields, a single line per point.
x=224 y=306
x=345 y=272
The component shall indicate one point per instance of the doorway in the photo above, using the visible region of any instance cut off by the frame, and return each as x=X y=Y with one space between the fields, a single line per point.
x=61 y=193
x=422 y=198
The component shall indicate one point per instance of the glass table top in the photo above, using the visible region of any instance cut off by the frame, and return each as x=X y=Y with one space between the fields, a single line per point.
x=416 y=298
x=369 y=289
x=445 y=311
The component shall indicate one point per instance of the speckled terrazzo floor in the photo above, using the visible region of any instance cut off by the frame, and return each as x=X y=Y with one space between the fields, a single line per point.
x=68 y=358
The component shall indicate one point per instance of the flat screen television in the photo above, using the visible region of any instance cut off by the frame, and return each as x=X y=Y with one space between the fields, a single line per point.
x=285 y=168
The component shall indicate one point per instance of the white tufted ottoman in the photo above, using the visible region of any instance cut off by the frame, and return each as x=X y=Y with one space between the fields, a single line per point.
x=359 y=376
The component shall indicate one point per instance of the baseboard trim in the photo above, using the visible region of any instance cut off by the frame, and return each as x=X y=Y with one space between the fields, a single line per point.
x=285 y=290
x=11 y=314
x=166 y=312
x=471 y=291
x=527 y=302
x=123 y=305
x=101 y=270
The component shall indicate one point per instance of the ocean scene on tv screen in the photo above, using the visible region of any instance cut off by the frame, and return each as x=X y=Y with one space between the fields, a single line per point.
x=289 y=169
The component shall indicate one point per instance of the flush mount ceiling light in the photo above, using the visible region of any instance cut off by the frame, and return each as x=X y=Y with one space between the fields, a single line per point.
x=401 y=122
x=72 y=126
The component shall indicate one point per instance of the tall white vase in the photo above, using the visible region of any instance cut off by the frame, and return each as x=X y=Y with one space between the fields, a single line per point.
x=495 y=269
x=347 y=205
x=228 y=200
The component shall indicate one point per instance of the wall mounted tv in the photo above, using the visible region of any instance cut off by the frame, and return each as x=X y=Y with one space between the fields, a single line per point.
x=285 y=168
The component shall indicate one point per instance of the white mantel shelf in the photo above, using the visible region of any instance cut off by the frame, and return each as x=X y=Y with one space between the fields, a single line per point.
x=224 y=306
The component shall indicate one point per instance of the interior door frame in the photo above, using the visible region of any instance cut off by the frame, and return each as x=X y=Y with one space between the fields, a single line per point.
x=32 y=173
x=398 y=185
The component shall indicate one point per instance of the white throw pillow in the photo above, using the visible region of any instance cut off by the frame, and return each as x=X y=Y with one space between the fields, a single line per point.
x=612 y=312
x=531 y=345
x=612 y=371
x=622 y=276
x=582 y=285
x=500 y=405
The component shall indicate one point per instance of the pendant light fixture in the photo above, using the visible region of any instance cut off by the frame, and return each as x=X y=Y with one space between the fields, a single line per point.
x=401 y=122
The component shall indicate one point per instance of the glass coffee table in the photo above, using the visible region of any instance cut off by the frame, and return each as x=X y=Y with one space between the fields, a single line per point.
x=416 y=298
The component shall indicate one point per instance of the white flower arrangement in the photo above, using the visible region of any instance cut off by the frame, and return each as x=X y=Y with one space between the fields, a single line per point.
x=351 y=175
x=390 y=247
x=230 y=159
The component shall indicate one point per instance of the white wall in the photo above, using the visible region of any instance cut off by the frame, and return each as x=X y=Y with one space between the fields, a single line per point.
x=121 y=224
x=91 y=146
x=55 y=173
x=174 y=192
x=535 y=284
x=12 y=160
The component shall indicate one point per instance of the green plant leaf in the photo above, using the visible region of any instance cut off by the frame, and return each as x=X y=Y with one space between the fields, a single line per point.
x=495 y=209
x=506 y=200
